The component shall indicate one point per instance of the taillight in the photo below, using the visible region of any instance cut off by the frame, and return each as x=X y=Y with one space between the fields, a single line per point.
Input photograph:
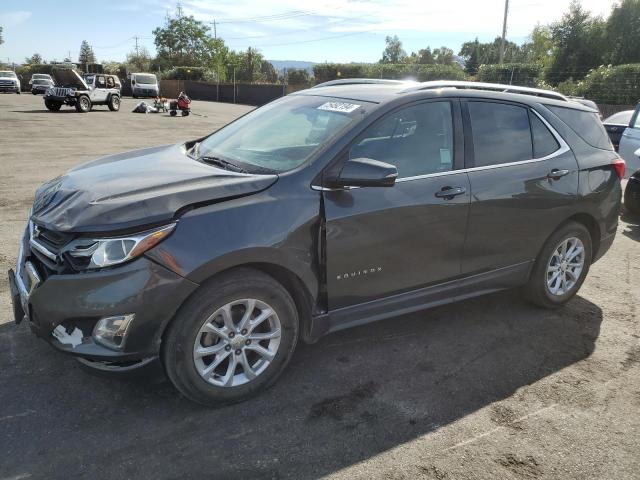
x=619 y=167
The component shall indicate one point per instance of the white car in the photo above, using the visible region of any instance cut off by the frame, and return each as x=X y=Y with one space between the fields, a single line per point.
x=9 y=82
x=630 y=143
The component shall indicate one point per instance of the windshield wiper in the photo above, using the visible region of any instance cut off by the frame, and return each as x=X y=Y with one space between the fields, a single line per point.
x=219 y=162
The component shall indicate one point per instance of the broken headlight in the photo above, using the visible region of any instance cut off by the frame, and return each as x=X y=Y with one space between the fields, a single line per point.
x=105 y=252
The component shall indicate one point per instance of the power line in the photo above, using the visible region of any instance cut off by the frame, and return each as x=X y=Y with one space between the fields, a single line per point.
x=316 y=39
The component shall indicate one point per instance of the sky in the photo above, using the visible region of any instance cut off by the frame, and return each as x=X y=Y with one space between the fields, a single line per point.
x=323 y=30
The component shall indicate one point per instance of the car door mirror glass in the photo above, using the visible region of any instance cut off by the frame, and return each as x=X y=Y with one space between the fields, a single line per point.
x=366 y=172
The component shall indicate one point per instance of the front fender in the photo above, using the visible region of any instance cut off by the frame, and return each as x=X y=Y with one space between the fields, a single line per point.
x=261 y=228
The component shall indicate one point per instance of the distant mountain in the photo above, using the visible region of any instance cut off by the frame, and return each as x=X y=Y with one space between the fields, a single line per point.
x=281 y=65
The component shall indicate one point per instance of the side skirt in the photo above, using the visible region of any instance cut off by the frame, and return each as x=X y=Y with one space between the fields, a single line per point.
x=423 y=298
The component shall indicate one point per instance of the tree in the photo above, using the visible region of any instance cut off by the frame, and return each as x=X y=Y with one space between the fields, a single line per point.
x=393 y=53
x=268 y=73
x=423 y=57
x=297 y=76
x=443 y=56
x=139 y=61
x=472 y=62
x=489 y=53
x=622 y=33
x=539 y=48
x=86 y=54
x=35 y=59
x=1 y=37
x=185 y=41
x=578 y=41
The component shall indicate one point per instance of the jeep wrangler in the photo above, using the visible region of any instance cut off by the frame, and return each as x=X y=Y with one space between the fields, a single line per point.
x=82 y=93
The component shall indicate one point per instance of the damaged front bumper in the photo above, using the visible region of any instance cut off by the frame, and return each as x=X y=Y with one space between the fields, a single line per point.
x=63 y=309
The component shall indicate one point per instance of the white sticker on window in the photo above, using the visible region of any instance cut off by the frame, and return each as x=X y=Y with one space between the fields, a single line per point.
x=339 y=107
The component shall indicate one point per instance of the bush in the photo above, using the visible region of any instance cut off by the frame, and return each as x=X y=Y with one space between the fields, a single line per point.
x=619 y=85
x=523 y=74
x=185 y=73
x=324 y=72
x=297 y=76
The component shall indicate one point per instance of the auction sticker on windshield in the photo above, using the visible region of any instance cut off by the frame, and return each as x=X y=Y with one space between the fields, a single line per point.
x=339 y=107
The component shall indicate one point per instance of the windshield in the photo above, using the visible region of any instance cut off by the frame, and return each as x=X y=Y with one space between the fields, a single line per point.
x=40 y=76
x=88 y=79
x=283 y=134
x=8 y=74
x=146 y=79
x=40 y=81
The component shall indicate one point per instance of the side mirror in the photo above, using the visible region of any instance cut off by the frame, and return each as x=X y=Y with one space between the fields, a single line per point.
x=133 y=82
x=366 y=172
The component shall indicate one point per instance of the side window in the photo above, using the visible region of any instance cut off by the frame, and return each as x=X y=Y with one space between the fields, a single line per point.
x=636 y=120
x=544 y=143
x=418 y=140
x=100 y=82
x=501 y=133
x=110 y=82
x=586 y=124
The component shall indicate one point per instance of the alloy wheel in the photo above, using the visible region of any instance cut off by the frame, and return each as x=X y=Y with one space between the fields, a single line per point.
x=565 y=266
x=237 y=342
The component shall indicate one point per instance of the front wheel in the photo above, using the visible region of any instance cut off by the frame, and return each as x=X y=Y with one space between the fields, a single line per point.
x=52 y=106
x=561 y=266
x=232 y=339
x=632 y=196
x=114 y=103
x=83 y=104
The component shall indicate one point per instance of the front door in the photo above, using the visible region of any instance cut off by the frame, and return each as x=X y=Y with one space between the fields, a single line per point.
x=630 y=143
x=382 y=241
x=99 y=93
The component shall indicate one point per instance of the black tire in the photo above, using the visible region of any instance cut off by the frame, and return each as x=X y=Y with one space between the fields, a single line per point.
x=185 y=113
x=179 y=339
x=632 y=196
x=34 y=92
x=83 y=104
x=536 y=290
x=18 y=92
x=114 y=103
x=52 y=106
x=173 y=113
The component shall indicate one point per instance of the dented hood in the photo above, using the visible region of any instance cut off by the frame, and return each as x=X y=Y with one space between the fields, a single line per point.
x=69 y=78
x=136 y=189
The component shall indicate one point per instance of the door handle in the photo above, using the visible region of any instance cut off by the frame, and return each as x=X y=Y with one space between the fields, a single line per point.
x=555 y=174
x=449 y=192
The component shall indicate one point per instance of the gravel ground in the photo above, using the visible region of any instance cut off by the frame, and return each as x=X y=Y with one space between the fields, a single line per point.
x=487 y=388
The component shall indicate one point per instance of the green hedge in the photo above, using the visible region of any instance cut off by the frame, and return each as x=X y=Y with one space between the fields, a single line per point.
x=619 y=85
x=523 y=74
x=324 y=72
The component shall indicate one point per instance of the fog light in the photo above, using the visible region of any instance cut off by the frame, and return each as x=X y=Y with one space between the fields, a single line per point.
x=111 y=332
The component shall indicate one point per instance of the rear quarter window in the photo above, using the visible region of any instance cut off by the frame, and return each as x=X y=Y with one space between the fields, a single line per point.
x=586 y=124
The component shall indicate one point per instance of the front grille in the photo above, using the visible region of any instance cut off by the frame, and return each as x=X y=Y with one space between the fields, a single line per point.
x=61 y=92
x=7 y=83
x=44 y=250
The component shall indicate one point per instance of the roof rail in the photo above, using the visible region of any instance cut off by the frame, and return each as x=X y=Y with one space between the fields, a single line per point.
x=360 y=81
x=487 y=86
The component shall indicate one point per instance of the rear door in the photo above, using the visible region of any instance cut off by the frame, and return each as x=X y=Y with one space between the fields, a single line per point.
x=630 y=142
x=524 y=181
x=381 y=241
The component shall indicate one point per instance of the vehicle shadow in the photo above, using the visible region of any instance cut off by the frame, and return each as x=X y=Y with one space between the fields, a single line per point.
x=62 y=110
x=341 y=401
x=632 y=227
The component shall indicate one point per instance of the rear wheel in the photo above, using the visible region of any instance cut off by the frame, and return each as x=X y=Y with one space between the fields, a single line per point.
x=53 y=106
x=114 y=103
x=232 y=339
x=83 y=104
x=561 y=266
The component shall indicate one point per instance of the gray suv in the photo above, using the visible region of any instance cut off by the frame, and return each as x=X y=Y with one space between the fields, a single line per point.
x=326 y=209
x=82 y=93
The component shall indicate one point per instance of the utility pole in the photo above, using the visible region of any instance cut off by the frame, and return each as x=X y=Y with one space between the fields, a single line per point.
x=504 y=30
x=215 y=32
x=137 y=52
